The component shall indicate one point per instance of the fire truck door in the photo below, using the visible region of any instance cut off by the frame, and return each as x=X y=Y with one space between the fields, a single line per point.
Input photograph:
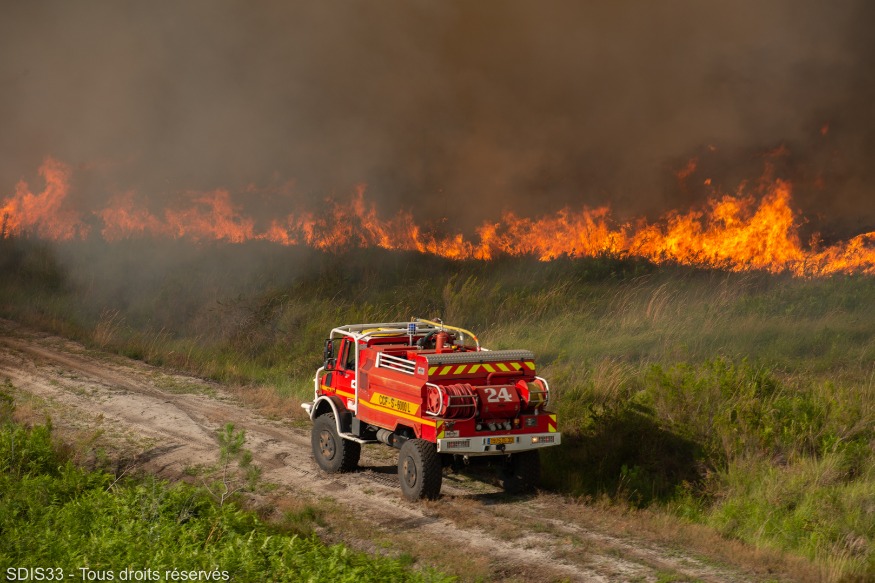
x=344 y=377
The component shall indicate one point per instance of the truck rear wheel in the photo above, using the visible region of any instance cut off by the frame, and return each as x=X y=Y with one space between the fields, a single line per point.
x=522 y=472
x=420 y=470
x=332 y=452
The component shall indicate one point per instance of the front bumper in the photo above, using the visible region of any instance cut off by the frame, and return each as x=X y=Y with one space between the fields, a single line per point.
x=492 y=445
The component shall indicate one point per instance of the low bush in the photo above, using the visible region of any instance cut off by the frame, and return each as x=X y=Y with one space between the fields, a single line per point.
x=53 y=513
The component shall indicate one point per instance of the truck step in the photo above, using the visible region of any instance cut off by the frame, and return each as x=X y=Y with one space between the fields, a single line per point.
x=356 y=438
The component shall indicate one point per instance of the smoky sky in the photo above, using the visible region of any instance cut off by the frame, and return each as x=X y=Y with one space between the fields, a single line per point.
x=456 y=109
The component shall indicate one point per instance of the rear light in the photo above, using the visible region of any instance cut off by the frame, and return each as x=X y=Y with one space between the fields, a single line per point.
x=544 y=439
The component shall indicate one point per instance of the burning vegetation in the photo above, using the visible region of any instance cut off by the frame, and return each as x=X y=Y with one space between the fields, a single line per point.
x=755 y=228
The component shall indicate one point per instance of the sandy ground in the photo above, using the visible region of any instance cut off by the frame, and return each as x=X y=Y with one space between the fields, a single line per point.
x=166 y=423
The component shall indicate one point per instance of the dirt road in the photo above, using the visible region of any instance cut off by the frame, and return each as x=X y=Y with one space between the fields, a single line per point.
x=166 y=423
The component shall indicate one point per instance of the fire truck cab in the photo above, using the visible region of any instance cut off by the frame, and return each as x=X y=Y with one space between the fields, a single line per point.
x=431 y=391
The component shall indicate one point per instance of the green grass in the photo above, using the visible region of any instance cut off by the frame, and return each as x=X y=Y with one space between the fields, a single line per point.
x=54 y=514
x=745 y=401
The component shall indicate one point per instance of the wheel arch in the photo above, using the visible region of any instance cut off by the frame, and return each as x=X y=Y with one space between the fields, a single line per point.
x=333 y=404
x=406 y=431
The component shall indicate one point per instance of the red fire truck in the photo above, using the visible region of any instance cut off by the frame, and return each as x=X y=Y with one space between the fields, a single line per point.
x=431 y=391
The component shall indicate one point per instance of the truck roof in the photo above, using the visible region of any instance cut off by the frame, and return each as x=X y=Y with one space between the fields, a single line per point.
x=397 y=329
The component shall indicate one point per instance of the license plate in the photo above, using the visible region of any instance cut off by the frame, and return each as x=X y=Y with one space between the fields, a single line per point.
x=500 y=440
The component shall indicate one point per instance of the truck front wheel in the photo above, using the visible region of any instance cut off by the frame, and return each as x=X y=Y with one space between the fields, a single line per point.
x=420 y=471
x=332 y=452
x=522 y=472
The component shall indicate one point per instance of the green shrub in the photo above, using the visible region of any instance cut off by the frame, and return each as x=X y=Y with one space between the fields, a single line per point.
x=53 y=513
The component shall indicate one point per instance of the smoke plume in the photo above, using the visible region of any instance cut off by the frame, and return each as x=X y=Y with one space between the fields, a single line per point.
x=449 y=109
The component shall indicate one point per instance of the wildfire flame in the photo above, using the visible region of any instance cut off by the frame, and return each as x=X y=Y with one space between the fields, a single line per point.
x=736 y=232
x=42 y=213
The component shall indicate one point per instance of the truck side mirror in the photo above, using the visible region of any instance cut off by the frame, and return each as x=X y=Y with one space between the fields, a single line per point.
x=328 y=354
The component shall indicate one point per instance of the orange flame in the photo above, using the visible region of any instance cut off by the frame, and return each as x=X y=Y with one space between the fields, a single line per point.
x=736 y=232
x=42 y=213
x=122 y=219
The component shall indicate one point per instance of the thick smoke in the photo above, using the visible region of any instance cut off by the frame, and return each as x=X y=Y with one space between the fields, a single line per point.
x=452 y=109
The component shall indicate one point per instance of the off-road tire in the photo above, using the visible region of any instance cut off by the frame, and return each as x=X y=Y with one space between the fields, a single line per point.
x=522 y=472
x=419 y=470
x=333 y=453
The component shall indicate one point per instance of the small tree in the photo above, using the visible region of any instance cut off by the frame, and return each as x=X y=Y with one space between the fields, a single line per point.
x=236 y=472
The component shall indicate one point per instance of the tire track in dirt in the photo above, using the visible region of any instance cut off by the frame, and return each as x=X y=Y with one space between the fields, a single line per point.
x=172 y=431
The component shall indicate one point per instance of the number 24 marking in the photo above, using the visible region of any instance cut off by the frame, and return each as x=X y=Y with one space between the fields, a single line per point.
x=497 y=395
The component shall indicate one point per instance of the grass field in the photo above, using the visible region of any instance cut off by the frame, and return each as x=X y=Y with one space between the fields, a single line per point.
x=743 y=401
x=60 y=521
